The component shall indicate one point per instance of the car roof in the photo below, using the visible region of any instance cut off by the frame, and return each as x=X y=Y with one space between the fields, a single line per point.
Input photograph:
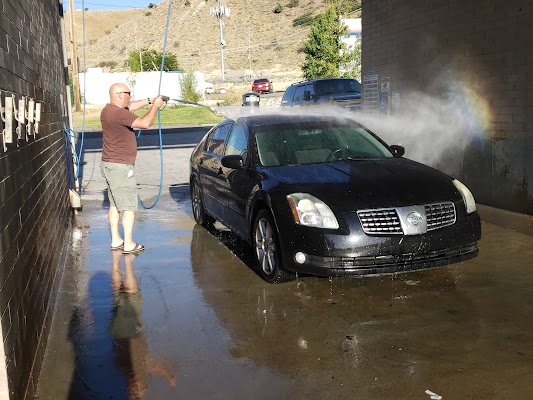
x=324 y=79
x=281 y=118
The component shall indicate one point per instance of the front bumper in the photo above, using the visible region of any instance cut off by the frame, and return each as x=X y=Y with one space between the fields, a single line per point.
x=377 y=265
x=352 y=252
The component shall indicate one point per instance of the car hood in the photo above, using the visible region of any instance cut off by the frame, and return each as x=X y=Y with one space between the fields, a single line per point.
x=357 y=184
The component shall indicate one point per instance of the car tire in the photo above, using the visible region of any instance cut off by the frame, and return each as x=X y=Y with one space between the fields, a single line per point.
x=200 y=215
x=266 y=249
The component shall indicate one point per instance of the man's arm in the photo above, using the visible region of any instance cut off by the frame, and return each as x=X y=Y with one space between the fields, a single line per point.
x=147 y=120
x=136 y=104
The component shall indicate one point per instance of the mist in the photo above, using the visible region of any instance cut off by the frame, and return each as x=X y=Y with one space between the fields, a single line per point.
x=434 y=131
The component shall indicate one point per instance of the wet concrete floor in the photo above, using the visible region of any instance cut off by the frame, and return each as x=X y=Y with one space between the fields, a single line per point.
x=189 y=317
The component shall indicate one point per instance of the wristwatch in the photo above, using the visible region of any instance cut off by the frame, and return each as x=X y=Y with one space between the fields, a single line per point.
x=149 y=100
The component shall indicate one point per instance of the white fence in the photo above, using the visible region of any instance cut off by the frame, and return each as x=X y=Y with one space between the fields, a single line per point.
x=95 y=83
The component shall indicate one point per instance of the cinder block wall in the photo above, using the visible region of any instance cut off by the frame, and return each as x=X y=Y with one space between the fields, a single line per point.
x=480 y=50
x=34 y=209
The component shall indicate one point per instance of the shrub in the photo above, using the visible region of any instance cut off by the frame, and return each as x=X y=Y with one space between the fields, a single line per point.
x=278 y=8
x=304 y=19
x=188 y=88
x=293 y=3
x=147 y=13
x=110 y=64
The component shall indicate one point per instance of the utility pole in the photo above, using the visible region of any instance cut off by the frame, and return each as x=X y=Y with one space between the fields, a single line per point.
x=74 y=58
x=220 y=12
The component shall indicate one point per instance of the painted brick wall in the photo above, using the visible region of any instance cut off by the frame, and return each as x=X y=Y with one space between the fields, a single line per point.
x=34 y=209
x=480 y=52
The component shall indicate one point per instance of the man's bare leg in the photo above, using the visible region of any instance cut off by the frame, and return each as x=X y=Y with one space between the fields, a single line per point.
x=128 y=220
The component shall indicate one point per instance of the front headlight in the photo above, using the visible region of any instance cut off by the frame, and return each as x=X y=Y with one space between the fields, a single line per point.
x=310 y=211
x=468 y=198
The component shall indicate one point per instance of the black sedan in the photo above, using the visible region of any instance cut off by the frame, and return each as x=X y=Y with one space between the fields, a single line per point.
x=325 y=196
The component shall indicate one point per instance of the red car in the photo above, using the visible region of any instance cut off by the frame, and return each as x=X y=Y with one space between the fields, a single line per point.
x=262 y=86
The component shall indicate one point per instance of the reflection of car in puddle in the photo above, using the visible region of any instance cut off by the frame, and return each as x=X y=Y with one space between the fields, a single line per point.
x=357 y=329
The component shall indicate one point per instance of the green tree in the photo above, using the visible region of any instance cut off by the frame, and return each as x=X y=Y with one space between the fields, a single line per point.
x=325 y=52
x=151 y=61
x=189 y=86
x=352 y=69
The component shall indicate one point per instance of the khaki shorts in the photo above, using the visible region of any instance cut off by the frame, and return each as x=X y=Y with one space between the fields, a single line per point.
x=121 y=185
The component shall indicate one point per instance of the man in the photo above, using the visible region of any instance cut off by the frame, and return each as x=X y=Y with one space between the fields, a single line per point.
x=118 y=158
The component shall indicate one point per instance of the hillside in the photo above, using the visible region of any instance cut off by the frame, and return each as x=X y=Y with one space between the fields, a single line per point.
x=259 y=42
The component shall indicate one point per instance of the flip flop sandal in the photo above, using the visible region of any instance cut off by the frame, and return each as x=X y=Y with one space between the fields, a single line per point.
x=119 y=247
x=137 y=249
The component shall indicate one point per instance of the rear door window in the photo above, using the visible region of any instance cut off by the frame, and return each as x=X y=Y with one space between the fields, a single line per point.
x=215 y=143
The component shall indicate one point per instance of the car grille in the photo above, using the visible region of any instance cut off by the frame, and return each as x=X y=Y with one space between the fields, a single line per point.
x=439 y=215
x=386 y=221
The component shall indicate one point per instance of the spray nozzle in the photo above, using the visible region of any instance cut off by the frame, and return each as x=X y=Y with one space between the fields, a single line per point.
x=165 y=98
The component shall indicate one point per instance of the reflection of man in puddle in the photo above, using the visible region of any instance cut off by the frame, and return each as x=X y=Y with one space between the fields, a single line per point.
x=129 y=344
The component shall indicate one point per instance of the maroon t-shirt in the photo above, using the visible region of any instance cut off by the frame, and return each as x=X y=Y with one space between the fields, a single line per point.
x=119 y=142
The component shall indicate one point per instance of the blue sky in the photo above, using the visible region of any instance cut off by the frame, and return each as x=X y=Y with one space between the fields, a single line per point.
x=109 y=4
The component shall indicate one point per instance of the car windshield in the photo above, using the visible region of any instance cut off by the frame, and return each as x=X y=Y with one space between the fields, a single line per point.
x=331 y=86
x=315 y=142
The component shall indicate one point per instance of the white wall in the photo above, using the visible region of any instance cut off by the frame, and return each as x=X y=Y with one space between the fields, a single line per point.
x=354 y=30
x=94 y=84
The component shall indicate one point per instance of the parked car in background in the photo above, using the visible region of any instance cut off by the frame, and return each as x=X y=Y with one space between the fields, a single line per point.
x=262 y=85
x=338 y=92
x=209 y=88
x=323 y=195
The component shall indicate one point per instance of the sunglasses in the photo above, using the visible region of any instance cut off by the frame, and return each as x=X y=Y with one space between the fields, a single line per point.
x=129 y=93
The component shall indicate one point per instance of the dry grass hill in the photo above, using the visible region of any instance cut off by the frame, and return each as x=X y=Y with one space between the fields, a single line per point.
x=259 y=42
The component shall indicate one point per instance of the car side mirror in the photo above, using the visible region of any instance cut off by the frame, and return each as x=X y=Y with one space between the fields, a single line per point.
x=397 y=151
x=233 y=161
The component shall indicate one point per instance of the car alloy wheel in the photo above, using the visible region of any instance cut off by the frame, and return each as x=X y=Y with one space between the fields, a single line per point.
x=200 y=215
x=267 y=250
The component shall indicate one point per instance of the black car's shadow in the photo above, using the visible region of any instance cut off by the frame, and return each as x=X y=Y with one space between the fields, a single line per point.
x=234 y=243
